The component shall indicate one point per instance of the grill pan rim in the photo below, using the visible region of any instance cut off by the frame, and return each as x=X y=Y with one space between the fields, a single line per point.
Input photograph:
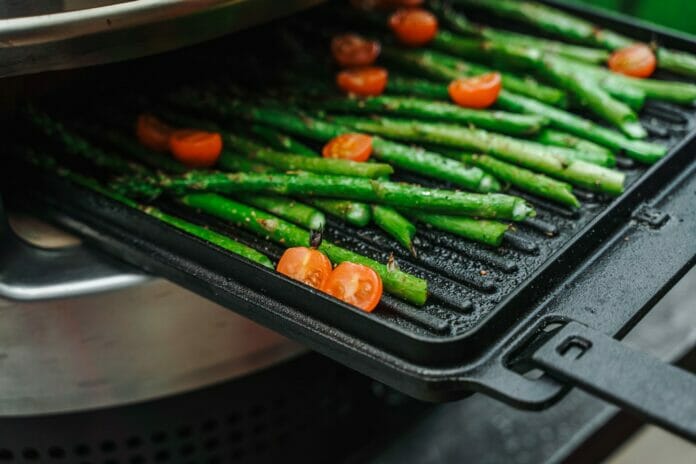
x=435 y=343
x=611 y=208
x=634 y=192
x=431 y=383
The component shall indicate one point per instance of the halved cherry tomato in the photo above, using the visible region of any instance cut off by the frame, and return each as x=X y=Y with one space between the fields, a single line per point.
x=363 y=82
x=355 y=284
x=353 y=147
x=152 y=132
x=413 y=26
x=351 y=50
x=476 y=92
x=195 y=148
x=307 y=265
x=637 y=60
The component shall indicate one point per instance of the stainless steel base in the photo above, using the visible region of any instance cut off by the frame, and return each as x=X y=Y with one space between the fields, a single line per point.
x=119 y=347
x=64 y=346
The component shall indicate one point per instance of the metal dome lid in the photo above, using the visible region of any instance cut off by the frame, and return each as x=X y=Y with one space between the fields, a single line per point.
x=63 y=34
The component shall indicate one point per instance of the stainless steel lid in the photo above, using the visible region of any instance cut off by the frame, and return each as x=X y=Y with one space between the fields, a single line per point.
x=55 y=34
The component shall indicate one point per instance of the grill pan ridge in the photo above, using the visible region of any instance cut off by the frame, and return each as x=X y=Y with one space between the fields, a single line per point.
x=463 y=339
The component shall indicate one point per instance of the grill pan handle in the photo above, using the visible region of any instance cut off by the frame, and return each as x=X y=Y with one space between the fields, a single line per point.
x=28 y=272
x=663 y=394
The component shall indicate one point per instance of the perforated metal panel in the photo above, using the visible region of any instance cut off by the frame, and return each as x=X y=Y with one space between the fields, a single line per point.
x=302 y=410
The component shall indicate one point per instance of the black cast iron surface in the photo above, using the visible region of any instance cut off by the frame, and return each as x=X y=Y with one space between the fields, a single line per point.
x=579 y=429
x=602 y=265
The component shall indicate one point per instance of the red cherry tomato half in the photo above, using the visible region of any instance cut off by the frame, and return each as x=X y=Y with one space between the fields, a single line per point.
x=413 y=26
x=307 y=265
x=637 y=61
x=152 y=133
x=353 y=147
x=476 y=92
x=363 y=82
x=355 y=284
x=195 y=148
x=352 y=50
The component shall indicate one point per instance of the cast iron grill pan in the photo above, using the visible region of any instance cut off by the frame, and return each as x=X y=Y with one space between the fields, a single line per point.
x=485 y=304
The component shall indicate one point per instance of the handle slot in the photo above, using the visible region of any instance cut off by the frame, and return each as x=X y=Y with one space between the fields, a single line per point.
x=637 y=382
x=574 y=347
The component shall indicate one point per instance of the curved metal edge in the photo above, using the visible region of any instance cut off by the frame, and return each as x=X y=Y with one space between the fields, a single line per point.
x=112 y=279
x=122 y=347
x=29 y=273
x=85 y=38
x=34 y=30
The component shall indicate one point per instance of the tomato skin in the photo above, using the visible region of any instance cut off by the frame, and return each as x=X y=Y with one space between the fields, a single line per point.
x=195 y=148
x=413 y=26
x=152 y=133
x=307 y=265
x=363 y=82
x=352 y=147
x=352 y=50
x=637 y=60
x=476 y=92
x=355 y=284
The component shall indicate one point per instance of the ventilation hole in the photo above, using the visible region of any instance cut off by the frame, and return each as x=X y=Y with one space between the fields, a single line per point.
x=108 y=446
x=214 y=460
x=184 y=431
x=82 y=450
x=282 y=438
x=158 y=437
x=6 y=455
x=209 y=425
x=162 y=456
x=187 y=449
x=134 y=442
x=392 y=400
x=212 y=444
x=326 y=401
x=237 y=453
x=260 y=428
x=233 y=418
x=111 y=461
x=281 y=420
x=261 y=447
x=235 y=436
x=56 y=452
x=137 y=459
x=258 y=410
x=30 y=454
x=278 y=403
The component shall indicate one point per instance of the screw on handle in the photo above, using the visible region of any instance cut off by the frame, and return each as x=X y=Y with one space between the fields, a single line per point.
x=662 y=394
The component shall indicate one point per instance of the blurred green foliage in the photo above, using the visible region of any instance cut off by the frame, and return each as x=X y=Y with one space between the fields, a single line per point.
x=677 y=14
